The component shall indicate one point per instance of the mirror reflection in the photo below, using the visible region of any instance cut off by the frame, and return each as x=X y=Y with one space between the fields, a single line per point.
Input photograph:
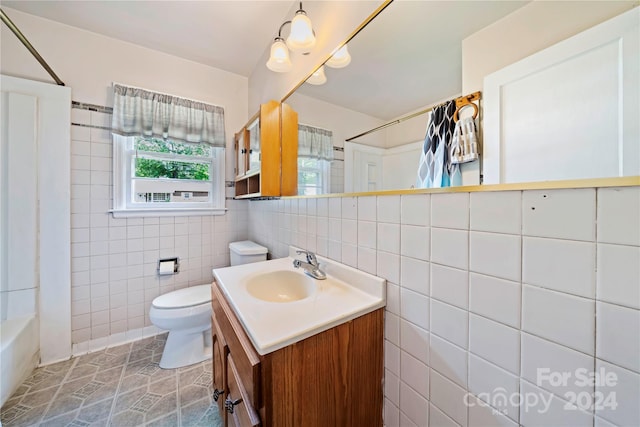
x=408 y=59
x=398 y=64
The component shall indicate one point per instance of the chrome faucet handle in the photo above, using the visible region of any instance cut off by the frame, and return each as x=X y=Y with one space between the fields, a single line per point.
x=311 y=257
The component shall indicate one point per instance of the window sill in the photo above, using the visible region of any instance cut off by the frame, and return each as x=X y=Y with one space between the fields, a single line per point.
x=150 y=212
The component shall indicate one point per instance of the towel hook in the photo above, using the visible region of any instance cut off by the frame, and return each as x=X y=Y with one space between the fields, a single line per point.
x=460 y=107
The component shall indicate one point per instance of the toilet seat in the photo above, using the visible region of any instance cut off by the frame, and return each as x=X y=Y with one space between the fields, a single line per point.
x=183 y=298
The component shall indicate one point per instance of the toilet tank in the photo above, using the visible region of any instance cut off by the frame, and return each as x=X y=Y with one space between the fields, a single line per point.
x=246 y=251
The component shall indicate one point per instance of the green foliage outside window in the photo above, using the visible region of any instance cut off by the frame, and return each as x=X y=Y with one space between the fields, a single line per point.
x=173 y=169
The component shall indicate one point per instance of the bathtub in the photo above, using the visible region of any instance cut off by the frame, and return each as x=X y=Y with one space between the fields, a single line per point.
x=19 y=342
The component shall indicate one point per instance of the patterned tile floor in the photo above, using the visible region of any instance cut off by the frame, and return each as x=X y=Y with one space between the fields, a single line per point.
x=120 y=387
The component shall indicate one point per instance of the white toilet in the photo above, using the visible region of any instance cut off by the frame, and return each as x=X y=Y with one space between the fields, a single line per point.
x=246 y=251
x=186 y=314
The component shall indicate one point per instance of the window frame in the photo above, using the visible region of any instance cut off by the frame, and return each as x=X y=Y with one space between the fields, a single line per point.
x=323 y=169
x=123 y=167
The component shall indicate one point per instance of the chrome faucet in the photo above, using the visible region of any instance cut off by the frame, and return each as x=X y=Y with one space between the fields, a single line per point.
x=311 y=267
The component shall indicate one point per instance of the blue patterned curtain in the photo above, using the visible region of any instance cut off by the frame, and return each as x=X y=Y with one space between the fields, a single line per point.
x=435 y=168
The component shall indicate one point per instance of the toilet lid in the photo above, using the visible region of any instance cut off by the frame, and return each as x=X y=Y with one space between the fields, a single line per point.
x=186 y=297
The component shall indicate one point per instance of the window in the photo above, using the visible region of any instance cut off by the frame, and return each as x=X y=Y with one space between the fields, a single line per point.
x=315 y=152
x=168 y=154
x=313 y=176
x=158 y=175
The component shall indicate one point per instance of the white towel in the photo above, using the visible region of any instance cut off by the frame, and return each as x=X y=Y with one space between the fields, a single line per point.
x=464 y=146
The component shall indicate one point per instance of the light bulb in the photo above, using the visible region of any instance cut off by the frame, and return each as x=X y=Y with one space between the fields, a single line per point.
x=318 y=78
x=340 y=59
x=279 y=60
x=301 y=36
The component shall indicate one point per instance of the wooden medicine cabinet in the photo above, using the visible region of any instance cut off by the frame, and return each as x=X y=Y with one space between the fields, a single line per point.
x=266 y=153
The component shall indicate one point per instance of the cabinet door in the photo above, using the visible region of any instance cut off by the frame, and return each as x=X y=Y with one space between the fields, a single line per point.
x=240 y=142
x=240 y=413
x=253 y=132
x=220 y=351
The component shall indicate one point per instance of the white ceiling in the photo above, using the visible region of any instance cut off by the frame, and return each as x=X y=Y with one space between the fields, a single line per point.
x=229 y=35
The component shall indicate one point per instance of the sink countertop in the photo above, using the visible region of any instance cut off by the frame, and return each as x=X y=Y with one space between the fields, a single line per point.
x=346 y=294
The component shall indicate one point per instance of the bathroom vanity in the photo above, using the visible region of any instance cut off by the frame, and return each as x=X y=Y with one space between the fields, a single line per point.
x=314 y=358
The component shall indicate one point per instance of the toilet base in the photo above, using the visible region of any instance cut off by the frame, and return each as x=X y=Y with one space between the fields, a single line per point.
x=184 y=348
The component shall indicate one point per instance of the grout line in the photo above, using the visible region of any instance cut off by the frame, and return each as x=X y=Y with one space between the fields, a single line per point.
x=92 y=127
x=115 y=395
x=53 y=399
x=178 y=402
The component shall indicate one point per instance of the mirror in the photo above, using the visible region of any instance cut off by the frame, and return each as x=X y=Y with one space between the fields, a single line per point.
x=398 y=65
x=405 y=60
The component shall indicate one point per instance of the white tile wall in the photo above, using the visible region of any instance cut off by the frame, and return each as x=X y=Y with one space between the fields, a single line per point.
x=562 y=265
x=438 y=418
x=415 y=242
x=497 y=343
x=618 y=274
x=623 y=386
x=414 y=406
x=414 y=275
x=450 y=247
x=495 y=298
x=450 y=285
x=392 y=388
x=482 y=414
x=449 y=397
x=618 y=213
x=388 y=236
x=542 y=359
x=497 y=212
x=618 y=335
x=449 y=360
x=450 y=210
x=560 y=214
x=414 y=340
x=495 y=255
x=561 y=318
x=472 y=309
x=415 y=374
x=450 y=323
x=487 y=381
x=416 y=209
x=114 y=261
x=550 y=410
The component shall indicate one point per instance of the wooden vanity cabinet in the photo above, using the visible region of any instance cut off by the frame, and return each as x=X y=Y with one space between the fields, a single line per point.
x=266 y=151
x=218 y=359
x=333 y=378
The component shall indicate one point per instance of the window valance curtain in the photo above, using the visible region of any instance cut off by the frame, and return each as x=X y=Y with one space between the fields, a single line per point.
x=139 y=112
x=315 y=143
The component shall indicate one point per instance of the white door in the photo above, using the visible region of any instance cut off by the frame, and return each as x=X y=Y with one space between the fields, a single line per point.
x=35 y=204
x=569 y=111
x=367 y=170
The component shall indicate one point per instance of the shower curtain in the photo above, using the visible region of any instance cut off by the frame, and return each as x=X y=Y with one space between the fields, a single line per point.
x=435 y=168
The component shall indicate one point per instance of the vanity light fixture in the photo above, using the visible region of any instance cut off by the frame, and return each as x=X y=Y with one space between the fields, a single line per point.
x=340 y=58
x=317 y=78
x=279 y=60
x=301 y=38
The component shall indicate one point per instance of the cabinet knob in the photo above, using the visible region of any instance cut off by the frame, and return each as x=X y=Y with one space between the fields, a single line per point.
x=217 y=393
x=229 y=404
x=243 y=151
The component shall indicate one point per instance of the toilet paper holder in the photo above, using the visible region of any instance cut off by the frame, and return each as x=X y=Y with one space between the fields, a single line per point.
x=168 y=266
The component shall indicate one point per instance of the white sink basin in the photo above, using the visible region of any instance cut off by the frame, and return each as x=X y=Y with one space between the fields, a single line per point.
x=280 y=286
x=279 y=305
